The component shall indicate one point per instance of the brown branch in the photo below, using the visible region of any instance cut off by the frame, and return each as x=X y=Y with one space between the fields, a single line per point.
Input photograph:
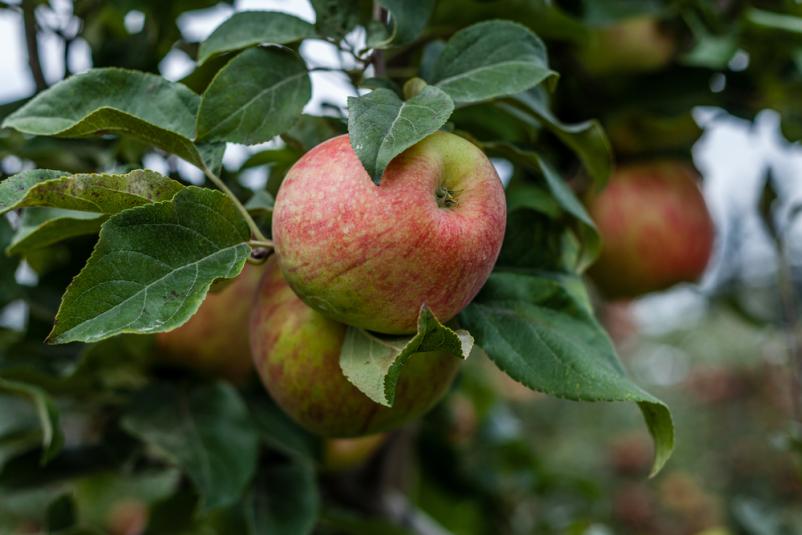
x=32 y=44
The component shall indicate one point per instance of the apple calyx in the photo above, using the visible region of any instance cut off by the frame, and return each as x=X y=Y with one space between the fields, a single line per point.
x=445 y=197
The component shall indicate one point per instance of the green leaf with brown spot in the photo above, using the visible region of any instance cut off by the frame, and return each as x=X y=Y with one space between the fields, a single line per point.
x=99 y=193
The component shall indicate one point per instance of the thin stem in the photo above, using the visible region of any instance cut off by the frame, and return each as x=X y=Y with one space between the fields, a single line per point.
x=255 y=231
x=32 y=44
x=379 y=68
x=791 y=327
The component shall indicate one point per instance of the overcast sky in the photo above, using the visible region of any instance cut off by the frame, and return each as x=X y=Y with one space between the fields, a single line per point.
x=732 y=155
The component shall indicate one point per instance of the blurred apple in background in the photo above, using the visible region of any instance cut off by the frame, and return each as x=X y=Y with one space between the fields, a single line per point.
x=638 y=44
x=341 y=454
x=215 y=340
x=655 y=226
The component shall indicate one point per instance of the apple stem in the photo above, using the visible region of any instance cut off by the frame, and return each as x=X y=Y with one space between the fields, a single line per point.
x=256 y=233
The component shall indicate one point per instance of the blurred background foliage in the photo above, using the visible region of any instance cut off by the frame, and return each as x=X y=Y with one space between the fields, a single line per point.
x=493 y=457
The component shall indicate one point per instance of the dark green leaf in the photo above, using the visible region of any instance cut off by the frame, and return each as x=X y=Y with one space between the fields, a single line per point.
x=382 y=126
x=372 y=362
x=153 y=266
x=52 y=437
x=14 y=188
x=562 y=193
x=408 y=19
x=61 y=514
x=489 y=60
x=335 y=18
x=312 y=130
x=285 y=501
x=249 y=28
x=99 y=193
x=40 y=227
x=587 y=139
x=542 y=335
x=205 y=430
x=119 y=101
x=9 y=289
x=256 y=96
x=281 y=433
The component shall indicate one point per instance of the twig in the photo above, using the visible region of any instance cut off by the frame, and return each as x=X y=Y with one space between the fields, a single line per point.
x=256 y=233
x=377 y=59
x=791 y=328
x=32 y=44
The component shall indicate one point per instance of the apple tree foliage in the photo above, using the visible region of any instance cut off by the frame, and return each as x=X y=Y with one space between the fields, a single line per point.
x=121 y=251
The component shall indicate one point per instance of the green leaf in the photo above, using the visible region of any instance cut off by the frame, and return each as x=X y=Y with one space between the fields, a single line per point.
x=542 y=334
x=99 y=193
x=52 y=437
x=256 y=96
x=587 y=139
x=14 y=188
x=260 y=206
x=382 y=126
x=562 y=193
x=774 y=22
x=285 y=500
x=312 y=130
x=281 y=433
x=40 y=227
x=206 y=430
x=408 y=19
x=248 y=28
x=335 y=18
x=99 y=101
x=9 y=289
x=260 y=203
x=491 y=59
x=372 y=362
x=152 y=267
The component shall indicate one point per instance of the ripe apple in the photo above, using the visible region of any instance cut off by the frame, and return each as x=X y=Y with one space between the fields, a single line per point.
x=215 y=340
x=369 y=255
x=296 y=351
x=655 y=228
x=637 y=44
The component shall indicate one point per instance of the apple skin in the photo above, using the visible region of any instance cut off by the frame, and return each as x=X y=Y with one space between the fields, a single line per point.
x=633 y=45
x=296 y=351
x=369 y=255
x=655 y=226
x=345 y=454
x=215 y=340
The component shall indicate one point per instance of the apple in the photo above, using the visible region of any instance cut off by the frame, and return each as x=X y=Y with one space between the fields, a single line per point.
x=655 y=227
x=369 y=255
x=296 y=351
x=638 y=44
x=128 y=517
x=215 y=340
x=343 y=454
